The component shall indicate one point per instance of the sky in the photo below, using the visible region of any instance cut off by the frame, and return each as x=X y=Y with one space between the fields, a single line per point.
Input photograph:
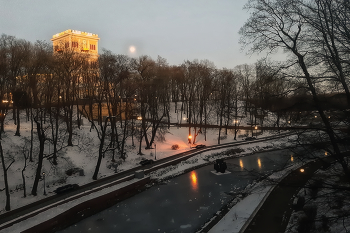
x=175 y=30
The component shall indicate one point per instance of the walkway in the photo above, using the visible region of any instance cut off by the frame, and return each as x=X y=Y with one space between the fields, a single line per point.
x=274 y=214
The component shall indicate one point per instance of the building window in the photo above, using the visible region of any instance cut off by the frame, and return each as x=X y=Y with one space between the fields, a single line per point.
x=92 y=47
x=75 y=44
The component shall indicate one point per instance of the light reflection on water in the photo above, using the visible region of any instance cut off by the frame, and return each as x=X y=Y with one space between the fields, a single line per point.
x=241 y=163
x=187 y=201
x=194 y=180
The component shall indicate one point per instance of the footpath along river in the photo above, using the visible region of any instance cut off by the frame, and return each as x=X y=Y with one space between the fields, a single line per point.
x=184 y=203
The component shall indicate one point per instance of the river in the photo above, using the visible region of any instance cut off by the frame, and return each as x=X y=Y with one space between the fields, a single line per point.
x=184 y=203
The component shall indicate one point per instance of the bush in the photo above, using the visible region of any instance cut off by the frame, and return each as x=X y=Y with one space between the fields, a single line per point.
x=310 y=211
x=307 y=222
x=304 y=225
x=300 y=203
x=325 y=222
x=175 y=147
x=315 y=186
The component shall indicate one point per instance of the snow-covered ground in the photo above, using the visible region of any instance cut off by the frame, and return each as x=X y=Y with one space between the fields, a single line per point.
x=84 y=153
x=232 y=222
x=326 y=203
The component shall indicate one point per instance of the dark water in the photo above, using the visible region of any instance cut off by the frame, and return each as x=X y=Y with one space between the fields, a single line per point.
x=184 y=203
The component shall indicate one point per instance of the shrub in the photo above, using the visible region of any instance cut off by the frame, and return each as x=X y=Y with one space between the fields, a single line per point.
x=315 y=186
x=310 y=211
x=300 y=203
x=175 y=147
x=307 y=222
x=304 y=225
x=325 y=222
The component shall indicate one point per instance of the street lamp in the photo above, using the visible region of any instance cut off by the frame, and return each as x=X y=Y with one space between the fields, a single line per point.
x=190 y=140
x=255 y=128
x=44 y=183
x=235 y=122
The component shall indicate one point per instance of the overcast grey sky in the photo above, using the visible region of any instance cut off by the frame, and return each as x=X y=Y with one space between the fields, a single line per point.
x=177 y=30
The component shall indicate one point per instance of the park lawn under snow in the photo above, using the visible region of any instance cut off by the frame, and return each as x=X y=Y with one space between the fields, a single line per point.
x=84 y=153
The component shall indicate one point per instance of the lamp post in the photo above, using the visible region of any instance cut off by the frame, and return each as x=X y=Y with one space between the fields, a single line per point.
x=190 y=140
x=235 y=121
x=44 y=183
x=155 y=151
x=256 y=133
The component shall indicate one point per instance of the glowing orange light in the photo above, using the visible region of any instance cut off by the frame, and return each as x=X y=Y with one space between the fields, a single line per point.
x=291 y=158
x=325 y=153
x=190 y=136
x=259 y=163
x=241 y=163
x=302 y=170
x=194 y=181
x=256 y=127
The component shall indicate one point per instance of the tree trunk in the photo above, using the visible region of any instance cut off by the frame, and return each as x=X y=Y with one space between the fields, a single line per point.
x=40 y=159
x=100 y=150
x=18 y=124
x=7 y=191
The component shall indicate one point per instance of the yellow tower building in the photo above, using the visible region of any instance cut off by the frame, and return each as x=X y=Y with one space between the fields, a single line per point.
x=78 y=41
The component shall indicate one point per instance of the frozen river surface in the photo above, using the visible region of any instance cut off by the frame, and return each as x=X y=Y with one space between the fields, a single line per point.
x=184 y=203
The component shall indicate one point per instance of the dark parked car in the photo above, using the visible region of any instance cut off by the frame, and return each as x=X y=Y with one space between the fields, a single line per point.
x=199 y=146
x=66 y=188
x=146 y=161
x=250 y=138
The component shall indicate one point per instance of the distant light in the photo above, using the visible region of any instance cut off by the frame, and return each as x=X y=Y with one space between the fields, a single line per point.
x=139 y=118
x=302 y=170
x=291 y=158
x=315 y=116
x=256 y=127
x=132 y=49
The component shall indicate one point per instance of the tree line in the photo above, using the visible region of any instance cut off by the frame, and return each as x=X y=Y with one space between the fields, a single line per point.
x=129 y=98
x=314 y=36
x=121 y=97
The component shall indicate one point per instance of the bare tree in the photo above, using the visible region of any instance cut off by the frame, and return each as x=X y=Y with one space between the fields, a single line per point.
x=5 y=169
x=275 y=25
x=40 y=129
